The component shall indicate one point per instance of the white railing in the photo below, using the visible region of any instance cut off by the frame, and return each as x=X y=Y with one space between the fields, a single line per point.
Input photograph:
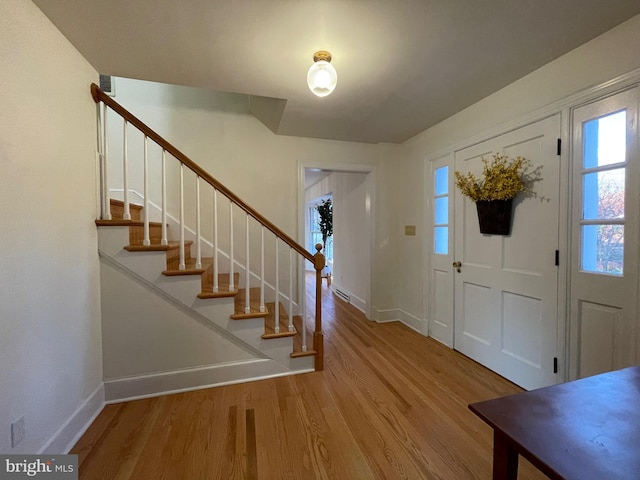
x=190 y=218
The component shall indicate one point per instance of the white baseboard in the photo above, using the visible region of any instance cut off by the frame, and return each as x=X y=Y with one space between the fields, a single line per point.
x=63 y=440
x=412 y=322
x=354 y=300
x=399 y=315
x=188 y=379
x=386 y=315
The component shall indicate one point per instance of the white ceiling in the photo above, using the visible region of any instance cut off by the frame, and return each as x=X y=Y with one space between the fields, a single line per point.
x=402 y=65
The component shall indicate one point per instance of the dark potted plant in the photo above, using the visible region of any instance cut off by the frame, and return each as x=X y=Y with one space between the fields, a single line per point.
x=502 y=179
x=325 y=211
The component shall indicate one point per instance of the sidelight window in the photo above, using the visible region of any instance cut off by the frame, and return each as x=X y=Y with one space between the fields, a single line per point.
x=603 y=194
x=441 y=211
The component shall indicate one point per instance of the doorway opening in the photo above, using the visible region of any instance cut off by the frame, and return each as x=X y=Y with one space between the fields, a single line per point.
x=348 y=250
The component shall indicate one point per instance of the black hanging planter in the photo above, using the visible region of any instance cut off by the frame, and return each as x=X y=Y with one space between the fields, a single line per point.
x=494 y=216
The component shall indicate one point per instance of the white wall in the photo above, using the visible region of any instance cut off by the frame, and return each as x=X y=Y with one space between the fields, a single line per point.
x=143 y=333
x=597 y=62
x=217 y=131
x=50 y=348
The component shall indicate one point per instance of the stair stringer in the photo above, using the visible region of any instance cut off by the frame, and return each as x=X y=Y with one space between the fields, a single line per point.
x=154 y=345
x=148 y=266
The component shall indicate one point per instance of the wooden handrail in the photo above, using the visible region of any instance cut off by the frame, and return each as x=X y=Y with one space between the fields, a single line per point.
x=99 y=96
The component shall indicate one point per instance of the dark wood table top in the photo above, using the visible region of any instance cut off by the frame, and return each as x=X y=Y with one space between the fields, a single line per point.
x=586 y=429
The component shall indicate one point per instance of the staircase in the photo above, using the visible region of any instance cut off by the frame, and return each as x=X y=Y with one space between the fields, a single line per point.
x=229 y=290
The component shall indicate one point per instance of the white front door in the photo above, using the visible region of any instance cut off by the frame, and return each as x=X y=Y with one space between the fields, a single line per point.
x=604 y=232
x=507 y=289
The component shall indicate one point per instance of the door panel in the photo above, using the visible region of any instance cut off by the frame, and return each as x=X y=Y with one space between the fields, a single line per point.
x=604 y=235
x=506 y=293
x=440 y=209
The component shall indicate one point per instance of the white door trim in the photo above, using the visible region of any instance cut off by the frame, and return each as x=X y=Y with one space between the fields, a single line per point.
x=370 y=213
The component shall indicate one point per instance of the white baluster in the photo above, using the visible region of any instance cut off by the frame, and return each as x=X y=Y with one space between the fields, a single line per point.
x=247 y=270
x=198 y=238
x=164 y=240
x=125 y=173
x=231 y=273
x=262 y=307
x=99 y=156
x=291 y=328
x=106 y=201
x=100 y=153
x=276 y=327
x=215 y=240
x=303 y=299
x=147 y=240
x=182 y=264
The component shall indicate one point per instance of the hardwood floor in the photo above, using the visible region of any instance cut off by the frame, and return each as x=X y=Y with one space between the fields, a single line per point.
x=390 y=404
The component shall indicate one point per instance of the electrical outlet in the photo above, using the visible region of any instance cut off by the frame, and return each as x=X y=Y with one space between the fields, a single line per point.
x=17 y=432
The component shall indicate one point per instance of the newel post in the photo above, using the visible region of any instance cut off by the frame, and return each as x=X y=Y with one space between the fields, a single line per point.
x=318 y=340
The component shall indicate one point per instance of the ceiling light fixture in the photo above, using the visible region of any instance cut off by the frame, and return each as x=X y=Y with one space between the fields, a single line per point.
x=322 y=77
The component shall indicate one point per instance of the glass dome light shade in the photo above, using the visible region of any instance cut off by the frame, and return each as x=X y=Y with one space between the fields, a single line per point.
x=322 y=78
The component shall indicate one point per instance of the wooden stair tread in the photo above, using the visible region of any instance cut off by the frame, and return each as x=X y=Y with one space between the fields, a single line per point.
x=218 y=294
x=223 y=285
x=190 y=267
x=156 y=247
x=269 y=322
x=254 y=305
x=308 y=353
x=120 y=203
x=117 y=210
x=118 y=222
x=251 y=314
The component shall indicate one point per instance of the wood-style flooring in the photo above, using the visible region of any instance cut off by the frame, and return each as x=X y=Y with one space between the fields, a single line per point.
x=390 y=404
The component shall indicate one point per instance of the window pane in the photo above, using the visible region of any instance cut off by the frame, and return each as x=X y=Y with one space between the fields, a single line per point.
x=605 y=140
x=329 y=253
x=604 y=194
x=314 y=219
x=316 y=237
x=441 y=240
x=442 y=181
x=603 y=248
x=441 y=211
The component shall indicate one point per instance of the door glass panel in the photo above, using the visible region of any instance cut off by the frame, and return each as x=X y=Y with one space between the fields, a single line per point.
x=603 y=248
x=441 y=211
x=442 y=181
x=604 y=194
x=441 y=240
x=605 y=140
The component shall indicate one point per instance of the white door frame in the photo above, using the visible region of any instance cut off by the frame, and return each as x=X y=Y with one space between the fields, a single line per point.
x=371 y=183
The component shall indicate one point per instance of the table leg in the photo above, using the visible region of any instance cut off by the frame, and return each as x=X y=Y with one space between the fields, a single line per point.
x=505 y=458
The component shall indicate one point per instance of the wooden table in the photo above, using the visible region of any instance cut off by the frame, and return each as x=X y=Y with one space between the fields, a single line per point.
x=587 y=429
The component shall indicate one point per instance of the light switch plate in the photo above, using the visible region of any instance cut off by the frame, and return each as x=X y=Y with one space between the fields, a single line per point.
x=410 y=230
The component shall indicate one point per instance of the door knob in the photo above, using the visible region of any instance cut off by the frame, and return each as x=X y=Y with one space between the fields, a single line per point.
x=457 y=266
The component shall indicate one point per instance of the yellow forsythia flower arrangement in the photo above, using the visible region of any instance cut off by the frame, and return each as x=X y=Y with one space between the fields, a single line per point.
x=502 y=179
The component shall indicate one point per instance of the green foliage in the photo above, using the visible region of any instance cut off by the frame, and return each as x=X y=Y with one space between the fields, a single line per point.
x=502 y=179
